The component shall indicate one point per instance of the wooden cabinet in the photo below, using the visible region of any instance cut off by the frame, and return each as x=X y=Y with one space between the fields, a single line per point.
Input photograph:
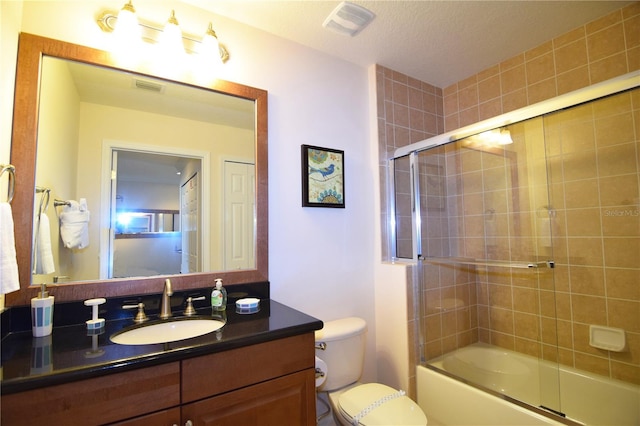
x=271 y=383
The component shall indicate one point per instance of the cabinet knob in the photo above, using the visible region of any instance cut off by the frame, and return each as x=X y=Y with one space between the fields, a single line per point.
x=188 y=423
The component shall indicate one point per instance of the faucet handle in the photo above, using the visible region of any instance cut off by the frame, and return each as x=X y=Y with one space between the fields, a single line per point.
x=189 y=309
x=140 y=316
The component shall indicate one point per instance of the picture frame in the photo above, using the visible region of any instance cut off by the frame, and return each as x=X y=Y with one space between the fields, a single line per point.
x=322 y=177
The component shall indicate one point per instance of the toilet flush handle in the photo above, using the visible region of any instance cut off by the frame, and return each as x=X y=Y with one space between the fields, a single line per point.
x=321 y=345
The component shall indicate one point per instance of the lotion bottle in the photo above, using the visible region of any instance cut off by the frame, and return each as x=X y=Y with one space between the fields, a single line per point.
x=42 y=313
x=219 y=297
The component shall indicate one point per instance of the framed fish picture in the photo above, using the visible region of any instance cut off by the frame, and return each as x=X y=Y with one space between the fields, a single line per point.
x=322 y=177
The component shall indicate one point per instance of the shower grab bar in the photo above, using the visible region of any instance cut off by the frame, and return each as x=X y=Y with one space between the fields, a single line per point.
x=495 y=263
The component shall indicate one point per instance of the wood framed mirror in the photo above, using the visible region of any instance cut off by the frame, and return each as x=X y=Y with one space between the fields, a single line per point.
x=31 y=53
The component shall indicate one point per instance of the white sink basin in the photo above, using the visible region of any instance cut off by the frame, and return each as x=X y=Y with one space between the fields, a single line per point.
x=166 y=331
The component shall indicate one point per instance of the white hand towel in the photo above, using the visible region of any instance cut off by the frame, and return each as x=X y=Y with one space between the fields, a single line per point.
x=9 y=281
x=74 y=225
x=44 y=263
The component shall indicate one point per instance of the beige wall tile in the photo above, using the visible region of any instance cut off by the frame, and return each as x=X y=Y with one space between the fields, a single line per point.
x=526 y=300
x=584 y=222
x=542 y=90
x=572 y=80
x=615 y=129
x=618 y=190
x=607 y=68
x=633 y=59
x=626 y=372
x=541 y=67
x=513 y=79
x=585 y=251
x=632 y=31
x=598 y=365
x=489 y=88
x=512 y=62
x=581 y=193
x=604 y=22
x=624 y=314
x=489 y=72
x=618 y=159
x=570 y=37
x=469 y=116
x=526 y=326
x=490 y=109
x=605 y=43
x=622 y=252
x=571 y=56
x=514 y=100
x=587 y=280
x=623 y=283
x=589 y=309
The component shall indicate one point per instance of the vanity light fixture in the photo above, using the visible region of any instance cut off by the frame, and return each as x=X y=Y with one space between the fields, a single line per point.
x=127 y=26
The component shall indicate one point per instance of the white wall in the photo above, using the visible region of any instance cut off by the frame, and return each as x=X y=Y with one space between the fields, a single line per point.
x=10 y=18
x=321 y=260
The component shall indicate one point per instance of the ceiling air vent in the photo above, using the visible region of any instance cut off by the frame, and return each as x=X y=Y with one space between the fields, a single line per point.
x=348 y=19
x=150 y=86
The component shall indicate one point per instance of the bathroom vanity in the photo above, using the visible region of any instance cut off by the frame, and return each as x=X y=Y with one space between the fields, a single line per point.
x=257 y=369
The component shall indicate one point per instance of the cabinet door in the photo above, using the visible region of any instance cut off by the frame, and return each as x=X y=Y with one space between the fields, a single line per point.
x=287 y=400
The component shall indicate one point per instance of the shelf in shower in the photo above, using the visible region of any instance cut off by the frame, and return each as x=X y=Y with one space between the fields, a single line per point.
x=486 y=262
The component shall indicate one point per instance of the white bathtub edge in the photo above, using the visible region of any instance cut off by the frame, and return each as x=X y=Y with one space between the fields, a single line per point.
x=439 y=397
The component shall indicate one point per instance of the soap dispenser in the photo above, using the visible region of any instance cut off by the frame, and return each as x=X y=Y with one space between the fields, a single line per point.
x=42 y=313
x=219 y=297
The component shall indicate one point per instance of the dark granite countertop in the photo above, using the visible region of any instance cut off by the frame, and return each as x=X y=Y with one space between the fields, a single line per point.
x=70 y=353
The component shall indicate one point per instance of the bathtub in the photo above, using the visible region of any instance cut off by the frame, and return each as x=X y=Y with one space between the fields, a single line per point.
x=583 y=397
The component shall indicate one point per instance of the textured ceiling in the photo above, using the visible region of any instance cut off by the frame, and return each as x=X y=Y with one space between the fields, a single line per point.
x=439 y=42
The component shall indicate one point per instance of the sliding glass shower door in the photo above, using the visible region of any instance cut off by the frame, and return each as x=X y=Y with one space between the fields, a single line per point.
x=525 y=238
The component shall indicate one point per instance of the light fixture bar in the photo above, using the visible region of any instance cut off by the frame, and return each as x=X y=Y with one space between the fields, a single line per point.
x=107 y=22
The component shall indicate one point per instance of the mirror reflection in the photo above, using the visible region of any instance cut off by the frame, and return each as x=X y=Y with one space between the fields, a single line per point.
x=178 y=160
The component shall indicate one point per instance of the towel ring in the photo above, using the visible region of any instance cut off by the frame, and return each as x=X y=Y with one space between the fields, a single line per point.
x=44 y=199
x=12 y=180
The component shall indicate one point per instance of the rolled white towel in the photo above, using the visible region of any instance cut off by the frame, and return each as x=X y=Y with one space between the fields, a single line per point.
x=74 y=225
x=9 y=280
x=44 y=263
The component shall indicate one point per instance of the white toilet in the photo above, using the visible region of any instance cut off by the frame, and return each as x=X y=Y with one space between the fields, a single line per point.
x=354 y=403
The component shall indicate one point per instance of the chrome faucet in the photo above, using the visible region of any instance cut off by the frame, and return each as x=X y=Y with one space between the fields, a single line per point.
x=165 y=307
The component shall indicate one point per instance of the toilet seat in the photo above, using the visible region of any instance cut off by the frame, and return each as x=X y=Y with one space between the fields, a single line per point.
x=384 y=404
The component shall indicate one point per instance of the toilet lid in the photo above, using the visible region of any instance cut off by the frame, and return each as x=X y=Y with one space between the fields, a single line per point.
x=384 y=404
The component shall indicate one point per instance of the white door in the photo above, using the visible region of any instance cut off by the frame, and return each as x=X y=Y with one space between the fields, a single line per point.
x=189 y=220
x=239 y=215
x=112 y=214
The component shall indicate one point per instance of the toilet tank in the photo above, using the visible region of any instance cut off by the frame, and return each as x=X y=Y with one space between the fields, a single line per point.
x=344 y=354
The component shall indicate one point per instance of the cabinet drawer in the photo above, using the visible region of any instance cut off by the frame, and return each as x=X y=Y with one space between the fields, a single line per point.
x=224 y=371
x=96 y=401
x=288 y=400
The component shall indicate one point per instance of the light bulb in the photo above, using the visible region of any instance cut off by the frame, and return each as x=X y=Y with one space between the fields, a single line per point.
x=127 y=36
x=171 y=39
x=505 y=137
x=210 y=48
